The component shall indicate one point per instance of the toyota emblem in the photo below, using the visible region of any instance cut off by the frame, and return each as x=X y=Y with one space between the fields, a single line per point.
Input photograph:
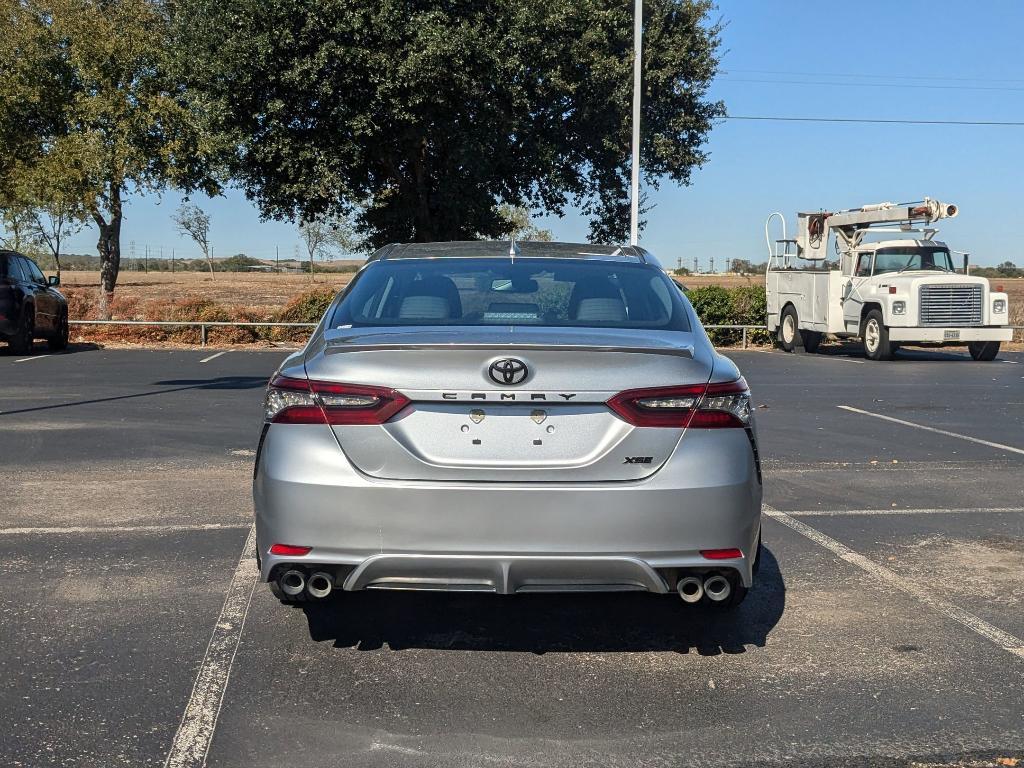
x=508 y=371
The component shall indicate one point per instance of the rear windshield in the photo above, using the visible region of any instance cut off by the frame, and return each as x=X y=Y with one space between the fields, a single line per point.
x=585 y=293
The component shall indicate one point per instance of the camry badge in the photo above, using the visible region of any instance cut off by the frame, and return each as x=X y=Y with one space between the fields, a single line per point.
x=476 y=415
x=508 y=371
x=538 y=416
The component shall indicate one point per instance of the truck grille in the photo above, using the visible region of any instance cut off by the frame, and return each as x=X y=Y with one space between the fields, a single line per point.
x=951 y=304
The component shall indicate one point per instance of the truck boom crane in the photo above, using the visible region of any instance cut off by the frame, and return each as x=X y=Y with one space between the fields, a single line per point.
x=851 y=225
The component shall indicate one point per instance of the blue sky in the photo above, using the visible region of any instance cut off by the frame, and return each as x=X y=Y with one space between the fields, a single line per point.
x=870 y=59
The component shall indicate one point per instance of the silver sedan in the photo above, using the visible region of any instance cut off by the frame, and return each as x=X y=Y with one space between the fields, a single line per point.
x=509 y=417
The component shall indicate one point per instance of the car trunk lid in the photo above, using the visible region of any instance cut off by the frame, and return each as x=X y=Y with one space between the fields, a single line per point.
x=464 y=422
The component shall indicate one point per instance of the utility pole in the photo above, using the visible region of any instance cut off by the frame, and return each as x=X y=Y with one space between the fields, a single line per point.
x=679 y=263
x=161 y=258
x=277 y=258
x=133 y=259
x=147 y=259
x=712 y=268
x=695 y=265
x=634 y=182
x=172 y=261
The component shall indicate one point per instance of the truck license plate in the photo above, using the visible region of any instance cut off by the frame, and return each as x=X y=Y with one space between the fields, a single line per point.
x=951 y=335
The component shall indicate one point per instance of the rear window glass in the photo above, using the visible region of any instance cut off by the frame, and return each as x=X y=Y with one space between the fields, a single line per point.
x=586 y=293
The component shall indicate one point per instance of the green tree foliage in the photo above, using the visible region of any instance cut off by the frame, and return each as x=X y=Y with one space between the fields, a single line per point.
x=100 y=114
x=238 y=263
x=430 y=114
x=1006 y=269
x=520 y=225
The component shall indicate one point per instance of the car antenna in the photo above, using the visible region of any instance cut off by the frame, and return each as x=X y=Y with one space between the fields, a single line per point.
x=513 y=249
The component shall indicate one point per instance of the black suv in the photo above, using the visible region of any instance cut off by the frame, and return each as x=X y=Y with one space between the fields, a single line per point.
x=30 y=305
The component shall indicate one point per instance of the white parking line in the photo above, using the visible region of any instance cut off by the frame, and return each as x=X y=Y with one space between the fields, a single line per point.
x=213 y=357
x=842 y=359
x=124 y=529
x=945 y=432
x=192 y=739
x=857 y=512
x=30 y=359
x=976 y=624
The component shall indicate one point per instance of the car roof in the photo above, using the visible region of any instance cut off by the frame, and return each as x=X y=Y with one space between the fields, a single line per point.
x=526 y=249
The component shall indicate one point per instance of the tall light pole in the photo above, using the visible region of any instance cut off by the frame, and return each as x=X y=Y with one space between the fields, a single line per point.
x=634 y=186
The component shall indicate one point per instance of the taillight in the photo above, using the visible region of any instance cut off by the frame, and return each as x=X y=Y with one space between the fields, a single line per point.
x=696 y=406
x=720 y=554
x=299 y=401
x=290 y=550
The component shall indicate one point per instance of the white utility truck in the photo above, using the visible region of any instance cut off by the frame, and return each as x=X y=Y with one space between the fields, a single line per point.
x=888 y=293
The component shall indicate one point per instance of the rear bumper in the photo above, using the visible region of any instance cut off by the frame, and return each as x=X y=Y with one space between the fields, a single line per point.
x=507 y=537
x=939 y=335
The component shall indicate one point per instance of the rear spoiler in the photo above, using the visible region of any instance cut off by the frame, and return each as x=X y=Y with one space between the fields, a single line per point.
x=340 y=341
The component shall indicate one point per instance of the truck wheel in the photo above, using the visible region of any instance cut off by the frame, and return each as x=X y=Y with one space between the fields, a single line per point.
x=812 y=340
x=789 y=327
x=59 y=341
x=21 y=342
x=876 y=337
x=983 y=350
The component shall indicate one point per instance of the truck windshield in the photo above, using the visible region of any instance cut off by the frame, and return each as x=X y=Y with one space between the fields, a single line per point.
x=912 y=258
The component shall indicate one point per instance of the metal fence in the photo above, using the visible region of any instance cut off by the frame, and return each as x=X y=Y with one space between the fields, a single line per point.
x=202 y=325
x=215 y=323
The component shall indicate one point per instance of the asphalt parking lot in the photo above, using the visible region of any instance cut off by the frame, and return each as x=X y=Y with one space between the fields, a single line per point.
x=885 y=628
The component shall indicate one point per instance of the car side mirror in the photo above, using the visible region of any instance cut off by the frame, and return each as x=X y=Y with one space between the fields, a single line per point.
x=53 y=281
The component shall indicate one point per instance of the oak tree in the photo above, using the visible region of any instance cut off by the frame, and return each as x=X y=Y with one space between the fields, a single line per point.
x=93 y=87
x=434 y=113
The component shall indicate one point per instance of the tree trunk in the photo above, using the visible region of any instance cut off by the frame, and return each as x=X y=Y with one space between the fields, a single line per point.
x=312 y=272
x=209 y=261
x=422 y=218
x=109 y=247
x=56 y=260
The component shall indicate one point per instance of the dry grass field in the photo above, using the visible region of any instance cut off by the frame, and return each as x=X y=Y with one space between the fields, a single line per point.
x=260 y=296
x=270 y=291
x=252 y=289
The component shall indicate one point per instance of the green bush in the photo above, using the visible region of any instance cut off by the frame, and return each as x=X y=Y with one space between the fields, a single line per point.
x=307 y=307
x=746 y=305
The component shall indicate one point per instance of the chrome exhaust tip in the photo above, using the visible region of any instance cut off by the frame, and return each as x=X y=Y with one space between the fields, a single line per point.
x=292 y=582
x=690 y=589
x=320 y=584
x=717 y=588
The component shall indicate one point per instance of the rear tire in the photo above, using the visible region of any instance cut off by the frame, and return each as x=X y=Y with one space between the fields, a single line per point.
x=812 y=340
x=875 y=337
x=59 y=341
x=21 y=342
x=789 y=329
x=983 y=351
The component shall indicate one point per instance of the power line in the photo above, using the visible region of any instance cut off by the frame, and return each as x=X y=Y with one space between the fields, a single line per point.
x=889 y=76
x=875 y=85
x=882 y=121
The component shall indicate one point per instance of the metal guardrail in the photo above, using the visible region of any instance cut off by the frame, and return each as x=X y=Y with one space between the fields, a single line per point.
x=203 y=325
